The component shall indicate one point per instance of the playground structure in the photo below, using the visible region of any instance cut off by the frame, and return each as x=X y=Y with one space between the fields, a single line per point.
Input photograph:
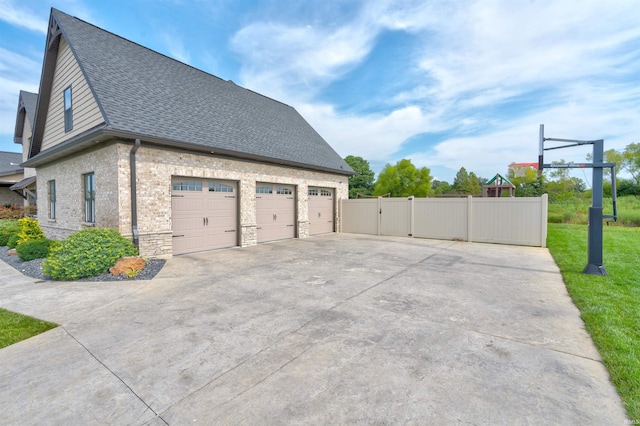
x=595 y=264
x=497 y=185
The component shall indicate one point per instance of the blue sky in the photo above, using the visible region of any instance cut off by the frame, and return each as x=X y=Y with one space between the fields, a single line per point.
x=447 y=84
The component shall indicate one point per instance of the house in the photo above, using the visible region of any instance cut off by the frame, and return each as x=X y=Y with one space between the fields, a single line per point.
x=25 y=117
x=173 y=157
x=10 y=173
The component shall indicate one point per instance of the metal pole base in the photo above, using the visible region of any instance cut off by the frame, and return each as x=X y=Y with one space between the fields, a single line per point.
x=592 y=269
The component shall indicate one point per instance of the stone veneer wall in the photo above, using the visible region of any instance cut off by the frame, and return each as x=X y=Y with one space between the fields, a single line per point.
x=155 y=168
x=68 y=174
x=8 y=196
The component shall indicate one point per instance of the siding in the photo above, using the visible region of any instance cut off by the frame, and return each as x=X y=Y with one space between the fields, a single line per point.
x=86 y=113
x=26 y=135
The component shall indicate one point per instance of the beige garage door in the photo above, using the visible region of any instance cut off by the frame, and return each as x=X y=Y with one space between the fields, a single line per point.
x=204 y=214
x=275 y=212
x=320 y=210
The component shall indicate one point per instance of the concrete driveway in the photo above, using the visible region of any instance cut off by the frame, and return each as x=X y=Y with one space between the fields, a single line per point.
x=337 y=329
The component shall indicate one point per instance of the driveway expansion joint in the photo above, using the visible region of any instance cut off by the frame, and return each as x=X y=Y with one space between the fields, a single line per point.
x=109 y=370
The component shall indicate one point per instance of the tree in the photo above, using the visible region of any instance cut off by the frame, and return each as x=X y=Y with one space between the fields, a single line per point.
x=403 y=179
x=466 y=183
x=528 y=183
x=631 y=156
x=362 y=181
x=611 y=156
x=441 y=187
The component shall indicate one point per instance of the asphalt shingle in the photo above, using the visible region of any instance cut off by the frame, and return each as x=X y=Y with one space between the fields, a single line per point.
x=145 y=92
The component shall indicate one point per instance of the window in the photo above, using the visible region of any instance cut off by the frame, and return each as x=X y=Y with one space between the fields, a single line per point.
x=89 y=198
x=313 y=191
x=52 y=199
x=68 y=110
x=265 y=189
x=284 y=191
x=325 y=192
x=188 y=185
x=220 y=187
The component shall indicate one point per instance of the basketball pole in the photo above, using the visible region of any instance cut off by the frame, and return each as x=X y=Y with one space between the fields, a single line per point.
x=595 y=264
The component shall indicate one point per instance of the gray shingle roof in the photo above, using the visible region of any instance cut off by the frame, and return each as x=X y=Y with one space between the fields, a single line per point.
x=141 y=91
x=6 y=158
x=27 y=102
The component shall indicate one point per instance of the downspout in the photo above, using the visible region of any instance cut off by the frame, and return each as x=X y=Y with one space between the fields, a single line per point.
x=134 y=196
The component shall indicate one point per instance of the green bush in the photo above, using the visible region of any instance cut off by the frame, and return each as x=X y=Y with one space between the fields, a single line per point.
x=7 y=229
x=37 y=248
x=87 y=253
x=13 y=241
x=29 y=230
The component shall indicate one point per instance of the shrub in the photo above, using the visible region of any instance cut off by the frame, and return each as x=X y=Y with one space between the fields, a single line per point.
x=29 y=230
x=7 y=229
x=36 y=248
x=87 y=253
x=10 y=212
x=13 y=241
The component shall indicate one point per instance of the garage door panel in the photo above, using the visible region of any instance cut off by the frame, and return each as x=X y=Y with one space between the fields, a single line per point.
x=321 y=210
x=204 y=215
x=275 y=212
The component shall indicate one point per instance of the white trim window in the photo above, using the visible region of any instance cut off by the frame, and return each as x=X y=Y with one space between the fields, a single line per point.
x=68 y=110
x=89 y=197
x=52 y=199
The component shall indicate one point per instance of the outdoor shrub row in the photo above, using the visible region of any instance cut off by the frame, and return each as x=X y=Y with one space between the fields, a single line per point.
x=87 y=253
x=34 y=249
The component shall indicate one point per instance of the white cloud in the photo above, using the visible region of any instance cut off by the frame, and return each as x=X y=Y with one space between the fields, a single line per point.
x=20 y=16
x=176 y=47
x=374 y=137
x=17 y=72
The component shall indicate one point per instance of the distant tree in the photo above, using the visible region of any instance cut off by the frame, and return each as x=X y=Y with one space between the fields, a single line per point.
x=631 y=156
x=466 y=183
x=362 y=181
x=403 y=179
x=612 y=156
x=528 y=183
x=441 y=187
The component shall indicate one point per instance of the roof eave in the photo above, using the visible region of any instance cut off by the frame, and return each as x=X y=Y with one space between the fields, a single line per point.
x=102 y=133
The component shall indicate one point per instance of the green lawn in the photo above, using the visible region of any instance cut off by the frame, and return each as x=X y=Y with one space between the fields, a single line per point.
x=610 y=306
x=16 y=327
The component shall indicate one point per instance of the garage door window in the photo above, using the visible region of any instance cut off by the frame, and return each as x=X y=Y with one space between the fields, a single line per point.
x=313 y=192
x=187 y=186
x=325 y=192
x=284 y=191
x=264 y=189
x=220 y=187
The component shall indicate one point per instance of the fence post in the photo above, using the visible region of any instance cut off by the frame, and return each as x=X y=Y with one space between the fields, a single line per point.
x=411 y=215
x=469 y=218
x=544 y=211
x=339 y=230
x=379 y=214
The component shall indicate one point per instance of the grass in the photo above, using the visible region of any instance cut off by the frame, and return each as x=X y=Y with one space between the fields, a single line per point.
x=15 y=327
x=576 y=210
x=608 y=305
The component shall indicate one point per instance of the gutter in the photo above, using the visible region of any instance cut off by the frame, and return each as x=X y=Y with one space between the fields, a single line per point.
x=134 y=195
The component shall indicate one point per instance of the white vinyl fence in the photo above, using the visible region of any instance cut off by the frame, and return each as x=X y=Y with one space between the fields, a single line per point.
x=515 y=221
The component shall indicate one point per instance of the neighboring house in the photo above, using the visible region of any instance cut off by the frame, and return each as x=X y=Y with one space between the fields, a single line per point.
x=10 y=173
x=176 y=158
x=25 y=118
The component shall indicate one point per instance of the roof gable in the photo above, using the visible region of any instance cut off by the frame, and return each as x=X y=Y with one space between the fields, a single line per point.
x=26 y=110
x=141 y=92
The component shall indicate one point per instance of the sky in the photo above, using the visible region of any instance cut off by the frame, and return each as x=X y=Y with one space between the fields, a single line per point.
x=446 y=84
